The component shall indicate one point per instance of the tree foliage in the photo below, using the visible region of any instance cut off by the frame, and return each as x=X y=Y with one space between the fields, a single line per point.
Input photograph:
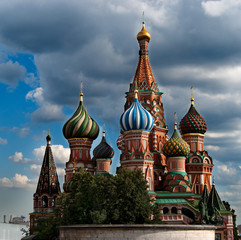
x=120 y=199
x=100 y=200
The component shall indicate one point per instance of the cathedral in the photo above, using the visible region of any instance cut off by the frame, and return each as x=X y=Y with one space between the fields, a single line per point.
x=178 y=170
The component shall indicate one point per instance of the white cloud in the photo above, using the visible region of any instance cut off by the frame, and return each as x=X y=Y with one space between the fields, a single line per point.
x=212 y=147
x=18 y=158
x=60 y=154
x=211 y=134
x=3 y=141
x=22 y=132
x=47 y=112
x=18 y=181
x=218 y=8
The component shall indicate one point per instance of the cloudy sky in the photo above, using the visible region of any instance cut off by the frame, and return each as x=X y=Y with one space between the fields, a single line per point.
x=48 y=47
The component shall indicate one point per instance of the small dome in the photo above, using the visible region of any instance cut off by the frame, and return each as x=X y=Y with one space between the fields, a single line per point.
x=81 y=125
x=192 y=122
x=143 y=34
x=103 y=150
x=176 y=146
x=136 y=118
x=48 y=138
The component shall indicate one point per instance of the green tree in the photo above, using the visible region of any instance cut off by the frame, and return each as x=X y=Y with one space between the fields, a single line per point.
x=120 y=199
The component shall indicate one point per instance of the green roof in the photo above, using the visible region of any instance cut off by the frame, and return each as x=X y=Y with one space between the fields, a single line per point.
x=171 y=201
x=167 y=193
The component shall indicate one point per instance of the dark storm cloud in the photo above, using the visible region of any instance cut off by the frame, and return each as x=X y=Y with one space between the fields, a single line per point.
x=95 y=41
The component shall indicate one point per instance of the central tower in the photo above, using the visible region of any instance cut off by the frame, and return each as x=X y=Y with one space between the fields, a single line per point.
x=150 y=98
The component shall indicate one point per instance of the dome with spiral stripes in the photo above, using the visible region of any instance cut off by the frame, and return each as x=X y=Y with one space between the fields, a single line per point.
x=136 y=117
x=103 y=150
x=81 y=125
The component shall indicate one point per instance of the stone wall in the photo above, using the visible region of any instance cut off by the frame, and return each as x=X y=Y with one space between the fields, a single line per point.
x=137 y=232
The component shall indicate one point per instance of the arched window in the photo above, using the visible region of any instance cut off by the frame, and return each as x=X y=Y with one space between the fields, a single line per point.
x=44 y=201
x=36 y=202
x=54 y=201
x=165 y=210
x=174 y=210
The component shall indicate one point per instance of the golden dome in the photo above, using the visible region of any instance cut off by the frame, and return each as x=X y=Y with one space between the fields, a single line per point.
x=143 y=34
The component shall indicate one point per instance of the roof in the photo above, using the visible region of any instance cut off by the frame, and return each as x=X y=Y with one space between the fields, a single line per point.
x=48 y=182
x=214 y=200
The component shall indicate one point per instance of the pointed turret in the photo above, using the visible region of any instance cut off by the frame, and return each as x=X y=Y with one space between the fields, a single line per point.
x=48 y=188
x=214 y=201
x=48 y=180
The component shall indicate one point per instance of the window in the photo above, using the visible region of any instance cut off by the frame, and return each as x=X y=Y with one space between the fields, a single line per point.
x=165 y=210
x=174 y=210
x=44 y=201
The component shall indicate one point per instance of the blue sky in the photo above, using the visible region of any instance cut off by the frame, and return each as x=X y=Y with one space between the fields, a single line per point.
x=48 y=47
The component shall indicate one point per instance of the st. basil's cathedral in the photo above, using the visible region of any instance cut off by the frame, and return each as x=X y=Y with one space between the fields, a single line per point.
x=178 y=171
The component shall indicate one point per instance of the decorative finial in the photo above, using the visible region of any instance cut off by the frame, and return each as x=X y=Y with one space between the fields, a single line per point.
x=81 y=91
x=192 y=99
x=136 y=90
x=143 y=18
x=103 y=129
x=175 y=123
x=213 y=181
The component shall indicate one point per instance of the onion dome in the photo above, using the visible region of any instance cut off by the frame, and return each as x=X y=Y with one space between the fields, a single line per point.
x=48 y=138
x=192 y=122
x=119 y=142
x=136 y=117
x=143 y=34
x=81 y=125
x=103 y=150
x=176 y=146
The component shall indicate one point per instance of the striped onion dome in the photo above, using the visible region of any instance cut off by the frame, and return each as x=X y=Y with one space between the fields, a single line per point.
x=119 y=142
x=192 y=122
x=176 y=146
x=136 y=117
x=81 y=125
x=103 y=150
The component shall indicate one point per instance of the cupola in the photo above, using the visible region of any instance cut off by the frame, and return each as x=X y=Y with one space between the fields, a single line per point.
x=103 y=150
x=136 y=117
x=176 y=146
x=192 y=122
x=81 y=125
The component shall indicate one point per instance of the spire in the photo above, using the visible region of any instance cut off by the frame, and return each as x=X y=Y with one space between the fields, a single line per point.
x=103 y=130
x=192 y=99
x=175 y=121
x=144 y=76
x=48 y=180
x=136 y=90
x=81 y=91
